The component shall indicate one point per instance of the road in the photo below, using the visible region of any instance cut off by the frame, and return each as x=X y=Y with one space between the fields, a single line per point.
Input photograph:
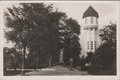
x=56 y=70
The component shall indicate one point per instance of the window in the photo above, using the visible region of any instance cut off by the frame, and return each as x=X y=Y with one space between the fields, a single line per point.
x=88 y=44
x=91 y=19
x=91 y=29
x=86 y=20
x=91 y=44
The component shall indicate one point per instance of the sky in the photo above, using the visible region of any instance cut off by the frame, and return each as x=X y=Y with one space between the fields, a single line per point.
x=107 y=10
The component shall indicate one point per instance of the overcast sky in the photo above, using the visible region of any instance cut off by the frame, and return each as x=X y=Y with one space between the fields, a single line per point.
x=107 y=10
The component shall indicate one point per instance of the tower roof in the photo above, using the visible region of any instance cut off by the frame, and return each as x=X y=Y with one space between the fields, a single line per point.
x=90 y=12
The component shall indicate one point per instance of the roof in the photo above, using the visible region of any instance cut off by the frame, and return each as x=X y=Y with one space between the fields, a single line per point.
x=90 y=12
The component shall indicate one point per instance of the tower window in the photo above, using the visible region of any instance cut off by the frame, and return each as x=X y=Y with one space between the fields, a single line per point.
x=91 y=19
x=86 y=20
x=88 y=44
x=91 y=44
x=91 y=29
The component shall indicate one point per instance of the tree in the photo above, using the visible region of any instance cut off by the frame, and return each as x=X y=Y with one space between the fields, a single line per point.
x=12 y=58
x=22 y=21
x=34 y=26
x=18 y=34
x=71 y=43
x=7 y=58
x=47 y=35
x=89 y=57
x=105 y=55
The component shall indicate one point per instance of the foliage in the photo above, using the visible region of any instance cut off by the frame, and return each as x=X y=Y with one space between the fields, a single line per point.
x=105 y=55
x=71 y=41
x=89 y=57
x=36 y=28
x=12 y=58
x=45 y=35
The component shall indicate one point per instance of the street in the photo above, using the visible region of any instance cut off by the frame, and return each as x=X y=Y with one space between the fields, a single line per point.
x=56 y=70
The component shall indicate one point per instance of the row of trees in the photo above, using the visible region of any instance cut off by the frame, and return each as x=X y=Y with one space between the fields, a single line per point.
x=43 y=32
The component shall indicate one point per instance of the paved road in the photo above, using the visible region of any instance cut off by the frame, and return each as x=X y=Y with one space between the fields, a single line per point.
x=56 y=70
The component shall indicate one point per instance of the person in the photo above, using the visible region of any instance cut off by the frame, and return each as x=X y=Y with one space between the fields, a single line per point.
x=71 y=63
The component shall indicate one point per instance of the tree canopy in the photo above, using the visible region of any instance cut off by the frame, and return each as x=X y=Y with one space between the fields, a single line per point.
x=36 y=28
x=105 y=55
x=71 y=43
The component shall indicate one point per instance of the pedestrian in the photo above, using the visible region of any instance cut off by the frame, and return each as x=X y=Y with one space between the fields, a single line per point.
x=71 y=63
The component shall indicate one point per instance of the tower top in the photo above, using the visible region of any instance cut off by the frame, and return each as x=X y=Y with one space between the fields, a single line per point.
x=90 y=12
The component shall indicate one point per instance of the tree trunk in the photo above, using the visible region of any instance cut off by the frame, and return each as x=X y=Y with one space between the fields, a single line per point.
x=50 y=61
x=37 y=64
x=23 y=61
x=38 y=56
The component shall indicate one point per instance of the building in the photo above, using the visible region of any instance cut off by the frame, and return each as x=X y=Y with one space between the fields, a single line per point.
x=90 y=18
